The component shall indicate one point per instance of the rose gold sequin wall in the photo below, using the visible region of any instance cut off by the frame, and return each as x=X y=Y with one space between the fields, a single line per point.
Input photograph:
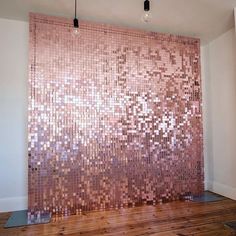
x=115 y=117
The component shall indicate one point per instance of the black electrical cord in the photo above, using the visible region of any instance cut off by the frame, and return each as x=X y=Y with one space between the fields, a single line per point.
x=76 y=21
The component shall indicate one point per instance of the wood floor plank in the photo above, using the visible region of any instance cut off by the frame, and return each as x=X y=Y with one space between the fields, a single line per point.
x=170 y=219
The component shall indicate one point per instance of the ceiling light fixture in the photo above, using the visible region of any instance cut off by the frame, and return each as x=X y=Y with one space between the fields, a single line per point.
x=76 y=21
x=146 y=17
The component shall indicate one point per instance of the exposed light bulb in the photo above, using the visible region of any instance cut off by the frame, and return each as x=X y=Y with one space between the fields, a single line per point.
x=76 y=31
x=76 y=27
x=146 y=17
x=76 y=22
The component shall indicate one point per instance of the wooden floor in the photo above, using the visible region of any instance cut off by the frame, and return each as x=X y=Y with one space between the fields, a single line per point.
x=176 y=218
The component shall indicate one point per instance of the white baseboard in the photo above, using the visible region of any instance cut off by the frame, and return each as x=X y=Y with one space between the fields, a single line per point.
x=221 y=189
x=13 y=204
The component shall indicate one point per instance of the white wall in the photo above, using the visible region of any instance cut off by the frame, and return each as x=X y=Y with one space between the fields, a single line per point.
x=206 y=110
x=13 y=114
x=219 y=77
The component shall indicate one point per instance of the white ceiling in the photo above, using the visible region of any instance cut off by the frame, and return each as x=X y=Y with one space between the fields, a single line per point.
x=205 y=19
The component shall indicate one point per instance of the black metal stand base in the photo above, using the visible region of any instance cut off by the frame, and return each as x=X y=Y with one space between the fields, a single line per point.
x=231 y=225
x=207 y=197
x=23 y=218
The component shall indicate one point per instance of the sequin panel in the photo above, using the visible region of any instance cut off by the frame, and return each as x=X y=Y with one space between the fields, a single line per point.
x=114 y=118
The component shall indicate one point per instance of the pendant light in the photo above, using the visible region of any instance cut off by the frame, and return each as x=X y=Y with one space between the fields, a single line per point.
x=146 y=17
x=76 y=21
